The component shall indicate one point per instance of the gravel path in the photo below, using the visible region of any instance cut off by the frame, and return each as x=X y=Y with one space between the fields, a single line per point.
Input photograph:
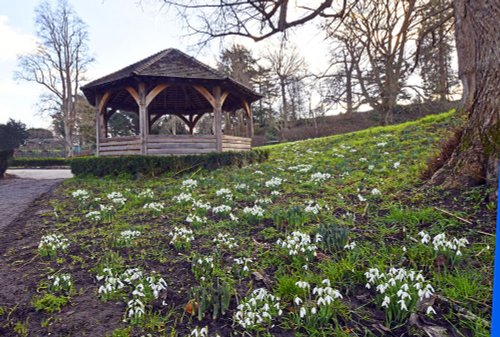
x=17 y=193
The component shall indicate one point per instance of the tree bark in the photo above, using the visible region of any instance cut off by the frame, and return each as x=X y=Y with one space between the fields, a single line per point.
x=475 y=160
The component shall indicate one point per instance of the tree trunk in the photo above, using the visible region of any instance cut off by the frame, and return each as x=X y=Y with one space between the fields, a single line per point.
x=475 y=160
x=284 y=103
x=348 y=85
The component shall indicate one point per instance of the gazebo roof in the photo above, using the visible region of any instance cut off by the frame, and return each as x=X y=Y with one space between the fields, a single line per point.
x=168 y=66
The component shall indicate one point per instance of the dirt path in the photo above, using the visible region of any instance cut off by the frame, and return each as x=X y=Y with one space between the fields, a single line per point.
x=23 y=187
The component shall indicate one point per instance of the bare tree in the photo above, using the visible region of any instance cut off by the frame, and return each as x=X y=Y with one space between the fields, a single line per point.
x=384 y=29
x=59 y=62
x=341 y=77
x=255 y=19
x=287 y=66
x=477 y=39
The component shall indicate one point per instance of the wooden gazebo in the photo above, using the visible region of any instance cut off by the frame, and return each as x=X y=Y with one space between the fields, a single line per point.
x=170 y=83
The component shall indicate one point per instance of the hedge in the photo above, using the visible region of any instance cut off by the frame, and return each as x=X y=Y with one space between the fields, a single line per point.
x=4 y=158
x=38 y=162
x=156 y=165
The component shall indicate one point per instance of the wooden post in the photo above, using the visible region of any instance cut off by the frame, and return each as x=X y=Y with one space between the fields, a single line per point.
x=143 y=118
x=218 y=118
x=191 y=124
x=216 y=101
x=100 y=121
x=97 y=124
x=249 y=114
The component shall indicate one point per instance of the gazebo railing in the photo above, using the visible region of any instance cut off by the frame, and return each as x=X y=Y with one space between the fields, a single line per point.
x=180 y=144
x=171 y=145
x=118 y=146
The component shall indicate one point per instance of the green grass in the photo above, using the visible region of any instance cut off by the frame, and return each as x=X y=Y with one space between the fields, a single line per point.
x=384 y=228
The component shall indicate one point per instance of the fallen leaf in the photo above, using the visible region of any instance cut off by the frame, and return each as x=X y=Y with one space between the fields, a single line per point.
x=431 y=330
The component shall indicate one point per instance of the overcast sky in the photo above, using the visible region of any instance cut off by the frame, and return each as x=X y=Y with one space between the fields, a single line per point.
x=121 y=32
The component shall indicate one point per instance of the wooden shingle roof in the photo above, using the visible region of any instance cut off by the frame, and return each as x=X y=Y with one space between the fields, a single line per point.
x=169 y=64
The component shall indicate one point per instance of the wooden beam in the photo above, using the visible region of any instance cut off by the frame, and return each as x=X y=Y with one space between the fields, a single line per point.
x=155 y=92
x=134 y=94
x=197 y=119
x=102 y=102
x=223 y=97
x=205 y=93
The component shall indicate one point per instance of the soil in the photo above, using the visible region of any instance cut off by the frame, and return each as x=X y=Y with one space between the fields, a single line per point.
x=22 y=270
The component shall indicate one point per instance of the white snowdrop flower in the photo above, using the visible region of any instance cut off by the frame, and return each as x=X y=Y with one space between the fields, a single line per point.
x=319 y=177
x=256 y=210
x=189 y=184
x=274 y=182
x=183 y=197
x=337 y=294
x=302 y=284
x=350 y=246
x=403 y=305
x=396 y=165
x=80 y=195
x=264 y=201
x=221 y=209
x=313 y=310
x=382 y=287
x=430 y=310
x=297 y=301
x=147 y=193
x=241 y=186
x=381 y=144
x=301 y=168
x=259 y=172
x=302 y=312
x=363 y=159
x=94 y=215
x=386 y=302
x=155 y=206
x=361 y=198
x=375 y=191
x=371 y=167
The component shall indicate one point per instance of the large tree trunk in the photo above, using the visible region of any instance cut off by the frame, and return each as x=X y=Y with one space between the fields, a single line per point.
x=475 y=160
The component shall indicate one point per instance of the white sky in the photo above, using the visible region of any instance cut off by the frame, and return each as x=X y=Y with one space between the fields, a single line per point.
x=121 y=32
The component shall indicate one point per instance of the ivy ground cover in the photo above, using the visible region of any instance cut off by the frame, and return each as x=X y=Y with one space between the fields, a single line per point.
x=335 y=236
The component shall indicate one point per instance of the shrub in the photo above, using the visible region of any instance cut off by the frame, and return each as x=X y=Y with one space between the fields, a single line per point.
x=12 y=135
x=156 y=165
x=4 y=157
x=38 y=162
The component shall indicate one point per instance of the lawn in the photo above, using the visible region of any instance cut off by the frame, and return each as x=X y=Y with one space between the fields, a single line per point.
x=336 y=236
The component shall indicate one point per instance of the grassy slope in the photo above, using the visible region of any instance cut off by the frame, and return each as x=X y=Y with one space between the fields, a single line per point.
x=383 y=227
